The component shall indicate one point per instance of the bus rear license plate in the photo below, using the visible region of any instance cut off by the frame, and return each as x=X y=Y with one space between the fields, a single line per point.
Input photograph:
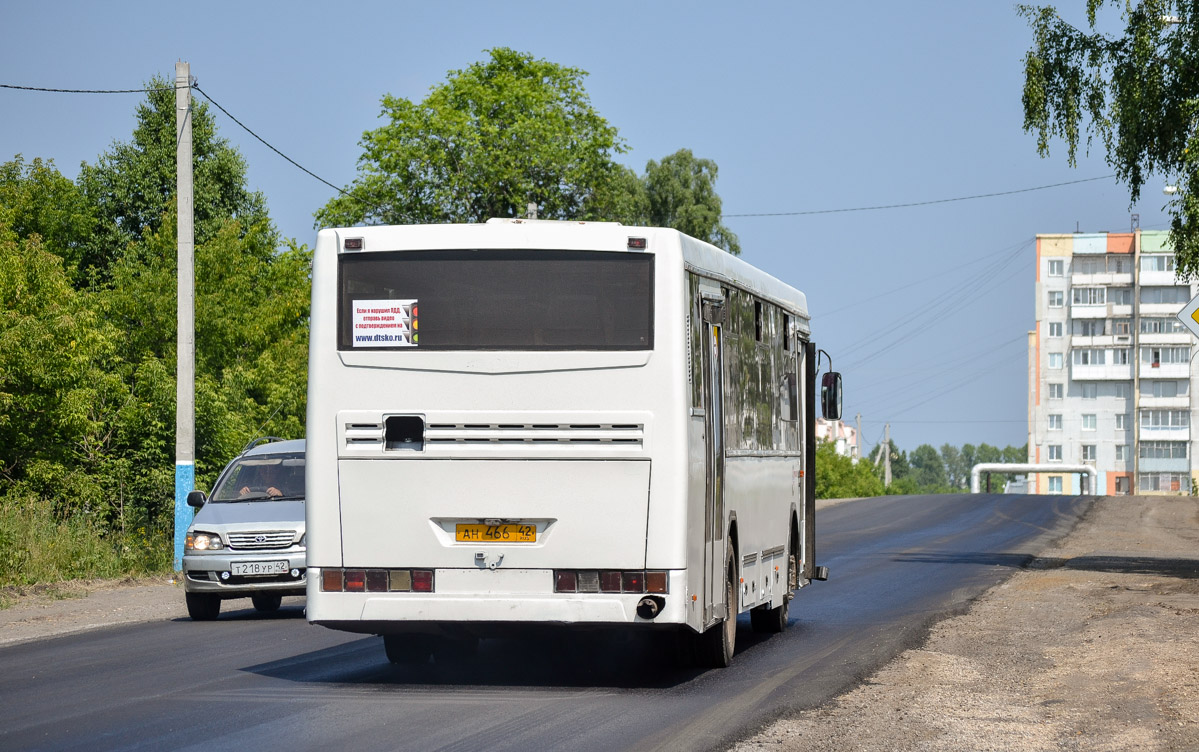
x=258 y=567
x=497 y=533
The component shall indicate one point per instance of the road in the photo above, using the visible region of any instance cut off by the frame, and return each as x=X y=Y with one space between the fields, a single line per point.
x=897 y=565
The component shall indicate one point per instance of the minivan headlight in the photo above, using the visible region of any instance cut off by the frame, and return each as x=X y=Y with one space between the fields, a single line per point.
x=203 y=542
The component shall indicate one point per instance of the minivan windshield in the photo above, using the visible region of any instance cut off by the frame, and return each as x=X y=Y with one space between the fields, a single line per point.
x=263 y=476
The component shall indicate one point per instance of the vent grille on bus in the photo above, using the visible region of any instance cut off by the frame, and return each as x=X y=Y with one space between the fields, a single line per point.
x=535 y=433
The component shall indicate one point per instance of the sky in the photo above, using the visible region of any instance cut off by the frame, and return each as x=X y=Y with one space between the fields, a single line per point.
x=803 y=106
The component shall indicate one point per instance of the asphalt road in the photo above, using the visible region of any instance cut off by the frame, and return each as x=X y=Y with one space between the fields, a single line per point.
x=249 y=681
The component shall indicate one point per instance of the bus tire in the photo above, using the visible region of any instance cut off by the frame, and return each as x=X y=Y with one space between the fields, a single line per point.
x=407 y=649
x=266 y=602
x=203 y=606
x=717 y=645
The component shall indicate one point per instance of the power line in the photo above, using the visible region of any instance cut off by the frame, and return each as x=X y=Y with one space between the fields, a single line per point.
x=918 y=203
x=265 y=142
x=89 y=91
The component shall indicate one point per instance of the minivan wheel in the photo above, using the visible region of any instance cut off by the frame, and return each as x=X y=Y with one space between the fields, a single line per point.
x=203 y=606
x=266 y=602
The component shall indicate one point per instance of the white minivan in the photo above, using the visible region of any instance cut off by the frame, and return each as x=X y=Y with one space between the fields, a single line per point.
x=247 y=538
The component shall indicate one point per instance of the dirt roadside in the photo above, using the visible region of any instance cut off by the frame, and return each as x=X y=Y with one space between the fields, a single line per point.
x=1096 y=647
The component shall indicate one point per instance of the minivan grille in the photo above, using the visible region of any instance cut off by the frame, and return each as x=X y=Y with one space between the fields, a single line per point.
x=263 y=541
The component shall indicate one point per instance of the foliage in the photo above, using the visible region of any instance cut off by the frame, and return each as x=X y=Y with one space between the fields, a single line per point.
x=927 y=471
x=1138 y=92
x=487 y=142
x=839 y=477
x=87 y=347
x=132 y=186
x=511 y=131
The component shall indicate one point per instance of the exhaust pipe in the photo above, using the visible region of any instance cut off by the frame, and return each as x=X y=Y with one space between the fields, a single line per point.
x=650 y=606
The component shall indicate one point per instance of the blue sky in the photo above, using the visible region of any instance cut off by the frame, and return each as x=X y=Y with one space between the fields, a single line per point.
x=804 y=106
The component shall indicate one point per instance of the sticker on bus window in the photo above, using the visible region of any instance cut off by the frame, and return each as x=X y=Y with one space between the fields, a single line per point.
x=385 y=323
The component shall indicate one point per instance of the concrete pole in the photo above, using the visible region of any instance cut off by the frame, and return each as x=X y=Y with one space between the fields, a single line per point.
x=185 y=369
x=887 y=460
x=857 y=447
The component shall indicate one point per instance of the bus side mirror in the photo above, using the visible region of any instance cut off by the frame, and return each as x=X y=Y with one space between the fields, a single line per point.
x=830 y=395
x=196 y=499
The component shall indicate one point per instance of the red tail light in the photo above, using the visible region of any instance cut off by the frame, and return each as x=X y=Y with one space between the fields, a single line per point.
x=355 y=580
x=422 y=580
x=632 y=582
x=565 y=582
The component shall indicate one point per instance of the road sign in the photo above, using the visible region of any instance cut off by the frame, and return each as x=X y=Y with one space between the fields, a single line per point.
x=1189 y=316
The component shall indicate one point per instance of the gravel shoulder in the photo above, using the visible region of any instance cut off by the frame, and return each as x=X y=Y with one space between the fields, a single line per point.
x=1094 y=647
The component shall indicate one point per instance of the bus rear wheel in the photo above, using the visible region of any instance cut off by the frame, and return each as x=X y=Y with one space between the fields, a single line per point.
x=717 y=645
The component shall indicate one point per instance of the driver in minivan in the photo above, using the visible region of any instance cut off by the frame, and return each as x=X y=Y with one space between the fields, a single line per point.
x=266 y=479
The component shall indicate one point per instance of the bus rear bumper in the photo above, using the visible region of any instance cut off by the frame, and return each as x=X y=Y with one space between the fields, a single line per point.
x=378 y=613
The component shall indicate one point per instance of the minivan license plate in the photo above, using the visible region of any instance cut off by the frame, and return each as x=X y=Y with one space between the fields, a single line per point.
x=258 y=567
x=497 y=533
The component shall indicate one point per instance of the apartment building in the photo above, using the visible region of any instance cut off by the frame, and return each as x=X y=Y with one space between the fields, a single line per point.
x=1110 y=373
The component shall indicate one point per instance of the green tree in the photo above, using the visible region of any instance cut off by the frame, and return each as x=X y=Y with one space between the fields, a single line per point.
x=132 y=185
x=839 y=477
x=1137 y=91
x=494 y=137
x=928 y=470
x=35 y=199
x=680 y=193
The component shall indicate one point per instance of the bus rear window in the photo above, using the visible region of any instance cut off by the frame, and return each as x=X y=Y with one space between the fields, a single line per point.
x=495 y=300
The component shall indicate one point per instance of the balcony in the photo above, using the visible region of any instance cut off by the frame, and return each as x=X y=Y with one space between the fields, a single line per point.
x=1166 y=338
x=1159 y=309
x=1078 y=340
x=1158 y=279
x=1182 y=433
x=1108 y=279
x=1181 y=402
x=1104 y=372
x=1165 y=371
x=1160 y=465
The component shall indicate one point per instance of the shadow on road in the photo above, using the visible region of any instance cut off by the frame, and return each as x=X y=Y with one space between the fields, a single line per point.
x=549 y=660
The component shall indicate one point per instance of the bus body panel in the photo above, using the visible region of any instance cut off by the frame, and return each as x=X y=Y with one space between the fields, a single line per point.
x=588 y=514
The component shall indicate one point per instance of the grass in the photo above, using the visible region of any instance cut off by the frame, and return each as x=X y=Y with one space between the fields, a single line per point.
x=38 y=549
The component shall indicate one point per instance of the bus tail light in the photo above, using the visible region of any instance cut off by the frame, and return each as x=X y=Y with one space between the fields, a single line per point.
x=595 y=581
x=376 y=580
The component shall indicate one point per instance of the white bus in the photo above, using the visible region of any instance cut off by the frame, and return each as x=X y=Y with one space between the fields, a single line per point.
x=524 y=423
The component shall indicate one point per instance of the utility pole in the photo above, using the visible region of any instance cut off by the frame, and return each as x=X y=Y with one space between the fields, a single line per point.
x=857 y=445
x=185 y=353
x=887 y=459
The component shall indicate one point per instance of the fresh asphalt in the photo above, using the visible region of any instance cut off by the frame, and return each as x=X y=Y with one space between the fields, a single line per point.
x=272 y=682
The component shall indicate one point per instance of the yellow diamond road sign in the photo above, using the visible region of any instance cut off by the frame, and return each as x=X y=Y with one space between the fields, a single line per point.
x=1189 y=315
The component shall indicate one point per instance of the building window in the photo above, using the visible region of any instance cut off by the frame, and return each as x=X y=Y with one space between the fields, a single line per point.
x=1056 y=391
x=1056 y=298
x=1055 y=360
x=1163 y=388
x=1055 y=422
x=1088 y=296
x=1055 y=452
x=1123 y=389
x=1172 y=294
x=1162 y=450
x=1157 y=262
x=1055 y=328
x=1055 y=484
x=1120 y=421
x=1057 y=268
x=1087 y=327
x=1090 y=391
x=1157 y=325
x=1120 y=356
x=1155 y=356
x=1088 y=422
x=1087 y=356
x=1163 y=420
x=1088 y=452
x=1119 y=295
x=1121 y=452
x=1165 y=482
x=1121 y=327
